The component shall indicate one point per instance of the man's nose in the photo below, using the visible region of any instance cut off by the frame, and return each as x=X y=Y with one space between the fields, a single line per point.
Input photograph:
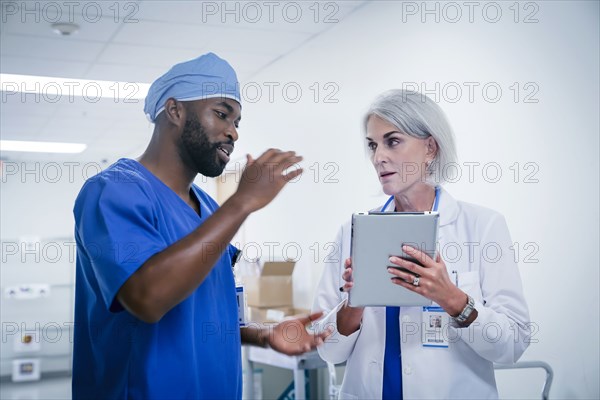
x=232 y=132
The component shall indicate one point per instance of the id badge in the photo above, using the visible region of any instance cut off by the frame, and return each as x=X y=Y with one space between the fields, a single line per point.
x=435 y=322
x=241 y=301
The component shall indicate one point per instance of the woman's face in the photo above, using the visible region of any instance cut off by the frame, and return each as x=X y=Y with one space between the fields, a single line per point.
x=400 y=160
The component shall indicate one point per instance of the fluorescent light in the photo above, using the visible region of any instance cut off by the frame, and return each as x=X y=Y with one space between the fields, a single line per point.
x=41 y=147
x=53 y=89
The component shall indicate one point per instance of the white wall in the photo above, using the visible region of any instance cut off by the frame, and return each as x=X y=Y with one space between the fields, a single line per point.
x=37 y=248
x=374 y=50
x=556 y=217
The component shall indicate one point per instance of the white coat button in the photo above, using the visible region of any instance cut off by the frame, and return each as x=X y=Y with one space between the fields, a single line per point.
x=407 y=370
x=406 y=318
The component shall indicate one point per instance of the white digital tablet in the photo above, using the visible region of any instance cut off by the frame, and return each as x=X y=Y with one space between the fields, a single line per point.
x=375 y=238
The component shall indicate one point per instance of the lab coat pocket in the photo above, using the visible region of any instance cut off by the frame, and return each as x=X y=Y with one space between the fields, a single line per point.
x=469 y=283
x=347 y=396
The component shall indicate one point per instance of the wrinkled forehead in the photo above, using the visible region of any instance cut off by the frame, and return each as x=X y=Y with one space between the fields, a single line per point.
x=378 y=128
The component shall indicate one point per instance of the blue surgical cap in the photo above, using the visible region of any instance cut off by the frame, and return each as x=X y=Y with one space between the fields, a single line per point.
x=204 y=77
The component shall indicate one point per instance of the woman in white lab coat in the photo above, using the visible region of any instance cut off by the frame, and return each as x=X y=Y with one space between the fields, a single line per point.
x=391 y=353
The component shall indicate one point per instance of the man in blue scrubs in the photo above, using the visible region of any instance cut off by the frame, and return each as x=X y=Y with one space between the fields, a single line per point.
x=155 y=309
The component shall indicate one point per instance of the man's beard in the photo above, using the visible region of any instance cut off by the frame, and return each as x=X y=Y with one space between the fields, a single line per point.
x=195 y=147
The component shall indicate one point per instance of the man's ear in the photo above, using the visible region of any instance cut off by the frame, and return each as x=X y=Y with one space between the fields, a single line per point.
x=175 y=112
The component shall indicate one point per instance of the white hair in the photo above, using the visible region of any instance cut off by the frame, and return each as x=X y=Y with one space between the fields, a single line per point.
x=416 y=115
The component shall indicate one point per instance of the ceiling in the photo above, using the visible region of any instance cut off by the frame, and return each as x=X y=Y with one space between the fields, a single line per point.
x=134 y=41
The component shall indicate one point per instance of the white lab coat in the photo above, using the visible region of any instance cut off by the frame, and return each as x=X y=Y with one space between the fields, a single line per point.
x=464 y=369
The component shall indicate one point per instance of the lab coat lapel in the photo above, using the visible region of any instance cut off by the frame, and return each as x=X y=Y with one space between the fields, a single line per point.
x=448 y=208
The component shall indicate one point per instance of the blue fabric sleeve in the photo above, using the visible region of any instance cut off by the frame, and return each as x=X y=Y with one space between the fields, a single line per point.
x=115 y=224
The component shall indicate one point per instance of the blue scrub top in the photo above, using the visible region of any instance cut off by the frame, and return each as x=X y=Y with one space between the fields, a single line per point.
x=123 y=216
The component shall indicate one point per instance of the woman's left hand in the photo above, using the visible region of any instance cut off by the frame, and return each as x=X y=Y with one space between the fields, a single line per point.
x=433 y=281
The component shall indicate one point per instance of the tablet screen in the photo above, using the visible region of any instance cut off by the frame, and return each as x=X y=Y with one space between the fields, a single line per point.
x=376 y=237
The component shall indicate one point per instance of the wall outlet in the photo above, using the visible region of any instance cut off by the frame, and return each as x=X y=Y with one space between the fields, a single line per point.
x=26 y=369
x=27 y=342
x=27 y=291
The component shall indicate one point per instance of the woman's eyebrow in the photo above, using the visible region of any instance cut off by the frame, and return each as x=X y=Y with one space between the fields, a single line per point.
x=390 y=133
x=385 y=135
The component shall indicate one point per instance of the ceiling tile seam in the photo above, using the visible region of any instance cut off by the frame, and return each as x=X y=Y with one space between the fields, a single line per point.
x=309 y=39
x=90 y=66
x=56 y=39
x=187 y=48
x=224 y=25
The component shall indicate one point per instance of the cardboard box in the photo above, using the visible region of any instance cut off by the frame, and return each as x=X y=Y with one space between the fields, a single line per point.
x=266 y=314
x=273 y=288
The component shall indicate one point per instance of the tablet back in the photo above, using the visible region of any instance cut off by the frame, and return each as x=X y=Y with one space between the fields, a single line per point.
x=376 y=237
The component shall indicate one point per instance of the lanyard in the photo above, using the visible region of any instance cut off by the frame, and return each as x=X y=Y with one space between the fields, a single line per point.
x=435 y=202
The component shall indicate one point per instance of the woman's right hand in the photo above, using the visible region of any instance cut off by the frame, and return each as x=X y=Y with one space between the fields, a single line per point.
x=348 y=318
x=347 y=276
